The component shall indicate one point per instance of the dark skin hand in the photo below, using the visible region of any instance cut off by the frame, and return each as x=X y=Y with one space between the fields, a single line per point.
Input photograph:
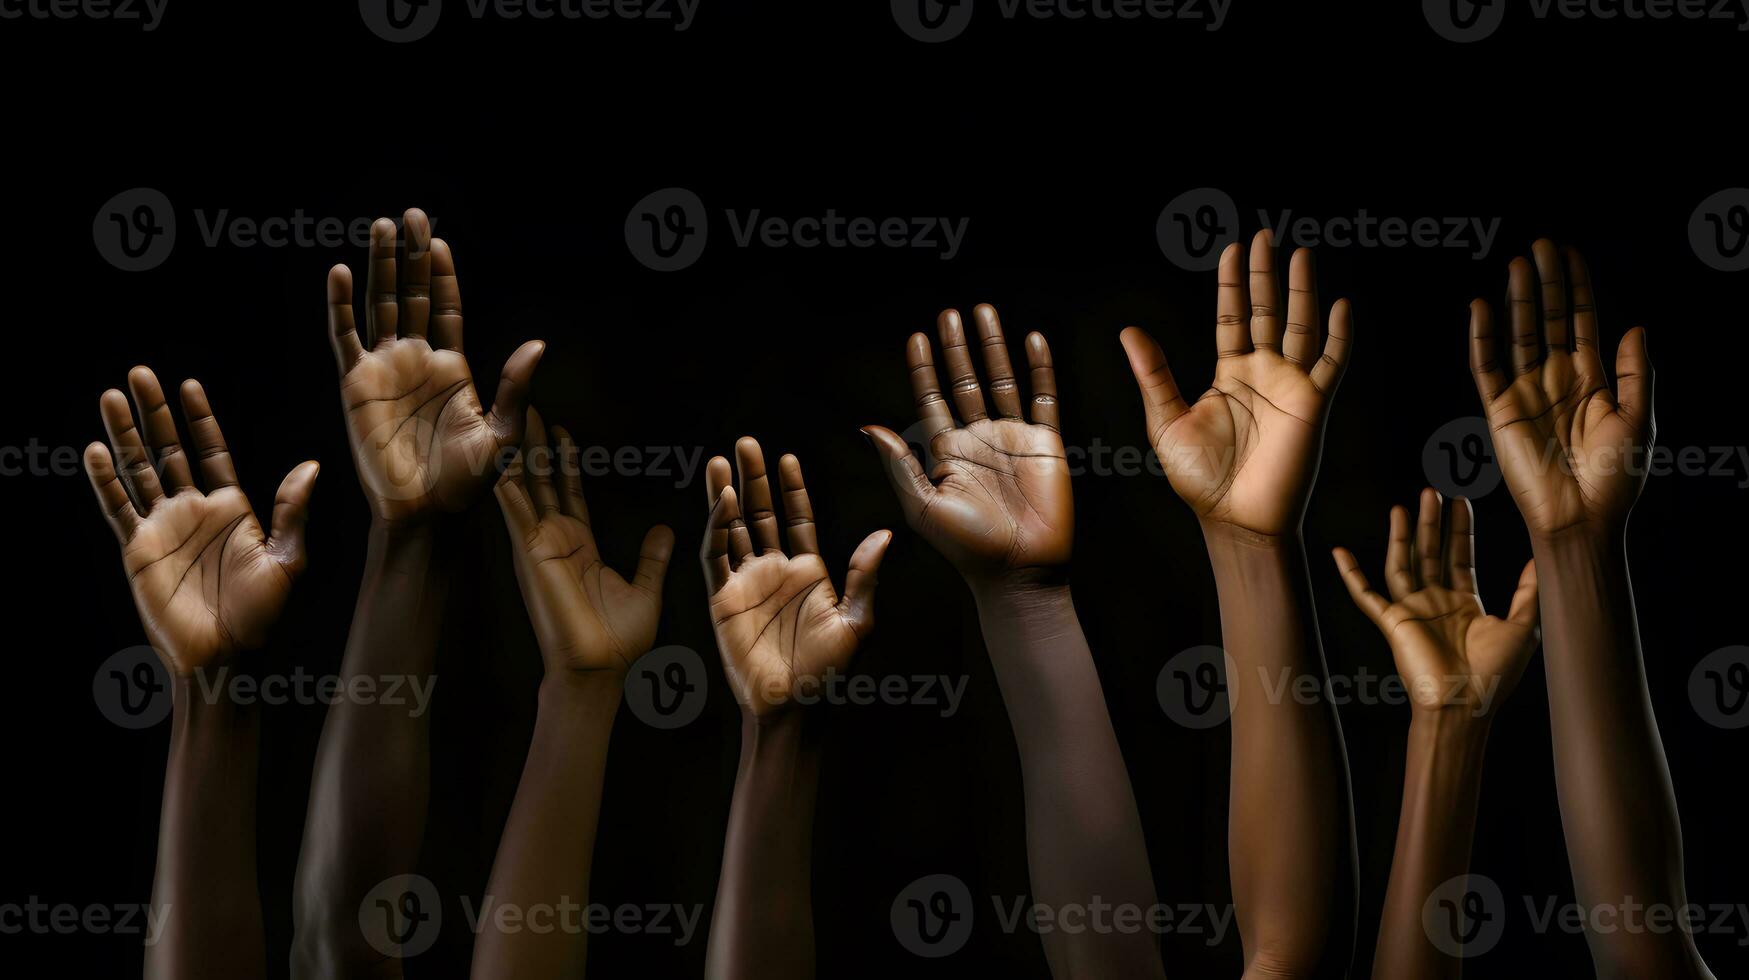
x=780 y=628
x=208 y=584
x=1572 y=450
x=1458 y=664
x=998 y=505
x=591 y=624
x=1244 y=456
x=423 y=449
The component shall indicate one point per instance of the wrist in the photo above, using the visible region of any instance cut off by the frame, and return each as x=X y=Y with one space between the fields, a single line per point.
x=1222 y=537
x=591 y=691
x=1585 y=535
x=1452 y=728
x=1023 y=590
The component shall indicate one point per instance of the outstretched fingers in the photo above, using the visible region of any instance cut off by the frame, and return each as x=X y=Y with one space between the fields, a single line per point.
x=112 y=496
x=1333 y=363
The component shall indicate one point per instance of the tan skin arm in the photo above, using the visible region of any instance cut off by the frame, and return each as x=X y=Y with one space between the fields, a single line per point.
x=998 y=505
x=208 y=584
x=424 y=448
x=1244 y=456
x=592 y=624
x=780 y=627
x=1567 y=442
x=1459 y=665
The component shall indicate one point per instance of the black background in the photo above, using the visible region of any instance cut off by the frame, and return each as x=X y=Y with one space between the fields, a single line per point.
x=1061 y=142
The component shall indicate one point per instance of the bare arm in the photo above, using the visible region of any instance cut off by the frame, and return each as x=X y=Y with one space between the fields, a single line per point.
x=592 y=625
x=423 y=448
x=208 y=584
x=1567 y=443
x=998 y=505
x=1245 y=456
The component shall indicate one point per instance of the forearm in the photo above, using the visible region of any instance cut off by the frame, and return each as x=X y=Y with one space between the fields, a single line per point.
x=1291 y=825
x=366 y=815
x=763 y=923
x=1442 y=780
x=544 y=857
x=1084 y=835
x=205 y=886
x=1618 y=808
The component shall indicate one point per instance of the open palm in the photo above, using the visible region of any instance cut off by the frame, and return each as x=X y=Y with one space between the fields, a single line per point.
x=205 y=578
x=586 y=615
x=780 y=625
x=1449 y=651
x=1568 y=448
x=420 y=439
x=996 y=497
x=1246 y=452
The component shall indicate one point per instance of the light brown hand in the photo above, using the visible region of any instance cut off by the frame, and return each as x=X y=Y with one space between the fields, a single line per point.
x=997 y=501
x=206 y=580
x=586 y=616
x=1568 y=446
x=1246 y=452
x=420 y=440
x=778 y=621
x=1450 y=653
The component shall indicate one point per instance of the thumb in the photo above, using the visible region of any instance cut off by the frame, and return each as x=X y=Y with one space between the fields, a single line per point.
x=291 y=511
x=903 y=470
x=1160 y=398
x=653 y=558
x=1524 y=610
x=1633 y=380
x=509 y=402
x=857 y=606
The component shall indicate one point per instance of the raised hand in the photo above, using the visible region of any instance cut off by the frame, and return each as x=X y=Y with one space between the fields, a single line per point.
x=997 y=500
x=778 y=621
x=420 y=440
x=1567 y=444
x=1246 y=453
x=585 y=615
x=1450 y=653
x=206 y=580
